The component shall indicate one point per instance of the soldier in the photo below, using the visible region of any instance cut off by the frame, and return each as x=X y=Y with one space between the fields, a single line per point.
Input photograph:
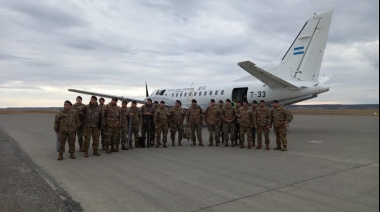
x=228 y=118
x=253 y=108
x=102 y=134
x=221 y=132
x=237 y=123
x=245 y=116
x=91 y=122
x=135 y=113
x=161 y=123
x=261 y=121
x=177 y=115
x=155 y=106
x=124 y=124
x=147 y=111
x=65 y=124
x=280 y=119
x=78 y=107
x=194 y=118
x=111 y=124
x=212 y=118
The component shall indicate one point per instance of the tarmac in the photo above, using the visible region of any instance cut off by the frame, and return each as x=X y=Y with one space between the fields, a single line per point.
x=332 y=164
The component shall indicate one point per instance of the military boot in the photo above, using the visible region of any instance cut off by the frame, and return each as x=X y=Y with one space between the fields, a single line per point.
x=217 y=144
x=249 y=146
x=241 y=146
x=232 y=144
x=108 y=149
x=113 y=148
x=179 y=143
x=210 y=144
x=194 y=144
x=173 y=143
x=117 y=148
x=259 y=146
x=226 y=144
x=267 y=147
x=72 y=156
x=165 y=146
x=137 y=145
x=201 y=144
x=284 y=148
x=96 y=153
x=130 y=145
x=104 y=147
x=81 y=148
x=86 y=153
x=60 y=156
x=123 y=147
x=277 y=148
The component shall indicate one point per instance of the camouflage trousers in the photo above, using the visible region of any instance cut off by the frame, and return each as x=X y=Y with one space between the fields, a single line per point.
x=281 y=136
x=248 y=131
x=112 y=136
x=221 y=132
x=95 y=133
x=70 y=137
x=135 y=128
x=173 y=129
x=253 y=136
x=196 y=128
x=213 y=131
x=144 y=131
x=103 y=137
x=237 y=133
x=229 y=128
x=164 y=130
x=124 y=134
x=260 y=131
x=80 y=135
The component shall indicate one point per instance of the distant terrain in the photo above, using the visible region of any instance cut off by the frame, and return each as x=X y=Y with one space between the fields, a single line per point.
x=336 y=109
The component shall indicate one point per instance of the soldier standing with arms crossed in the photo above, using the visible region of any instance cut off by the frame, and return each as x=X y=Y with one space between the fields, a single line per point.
x=212 y=118
x=245 y=116
x=280 y=120
x=136 y=123
x=228 y=118
x=194 y=117
x=262 y=121
x=91 y=116
x=65 y=124
x=147 y=111
x=161 y=121
x=78 y=107
x=177 y=116
x=111 y=124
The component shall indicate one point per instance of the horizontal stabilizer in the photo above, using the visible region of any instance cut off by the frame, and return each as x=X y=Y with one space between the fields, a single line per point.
x=267 y=78
x=107 y=96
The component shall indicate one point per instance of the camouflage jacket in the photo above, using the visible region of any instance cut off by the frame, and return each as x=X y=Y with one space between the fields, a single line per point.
x=245 y=116
x=161 y=117
x=237 y=111
x=124 y=115
x=111 y=116
x=92 y=115
x=212 y=115
x=177 y=115
x=78 y=108
x=146 y=108
x=280 y=116
x=262 y=116
x=137 y=117
x=194 y=115
x=228 y=113
x=66 y=121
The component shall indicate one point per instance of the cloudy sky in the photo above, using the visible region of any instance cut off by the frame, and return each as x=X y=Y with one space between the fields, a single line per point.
x=114 y=46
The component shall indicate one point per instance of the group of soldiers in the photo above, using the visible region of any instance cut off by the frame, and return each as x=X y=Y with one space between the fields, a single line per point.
x=113 y=124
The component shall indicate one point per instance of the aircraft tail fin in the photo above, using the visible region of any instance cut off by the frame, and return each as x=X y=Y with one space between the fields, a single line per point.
x=302 y=61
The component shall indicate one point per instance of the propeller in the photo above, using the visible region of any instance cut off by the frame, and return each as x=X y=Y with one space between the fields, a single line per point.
x=146 y=89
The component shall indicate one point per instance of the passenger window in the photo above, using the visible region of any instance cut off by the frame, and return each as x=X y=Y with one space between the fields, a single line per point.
x=195 y=93
x=221 y=93
x=216 y=93
x=166 y=94
x=210 y=93
x=173 y=95
x=205 y=93
x=200 y=93
x=190 y=94
x=176 y=95
x=185 y=94
x=180 y=95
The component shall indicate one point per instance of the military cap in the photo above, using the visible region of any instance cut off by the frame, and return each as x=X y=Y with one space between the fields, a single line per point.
x=114 y=99
x=180 y=103
x=134 y=102
x=155 y=102
x=101 y=98
x=228 y=100
x=124 y=101
x=94 y=97
x=244 y=100
x=212 y=100
x=194 y=101
x=79 y=97
x=162 y=102
x=254 y=101
x=220 y=101
x=262 y=101
x=276 y=101
x=68 y=102
x=148 y=99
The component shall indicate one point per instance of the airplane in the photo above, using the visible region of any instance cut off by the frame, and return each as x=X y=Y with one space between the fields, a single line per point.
x=295 y=79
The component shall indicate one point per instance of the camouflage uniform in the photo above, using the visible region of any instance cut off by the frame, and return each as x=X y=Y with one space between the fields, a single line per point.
x=253 y=108
x=212 y=118
x=124 y=126
x=237 y=125
x=78 y=107
x=262 y=120
x=245 y=116
x=111 y=123
x=65 y=124
x=229 y=113
x=194 y=117
x=136 y=121
x=280 y=117
x=147 y=119
x=221 y=132
x=91 y=123
x=177 y=116
x=161 y=123
x=102 y=133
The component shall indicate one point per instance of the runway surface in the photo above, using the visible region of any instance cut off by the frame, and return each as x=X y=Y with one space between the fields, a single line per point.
x=332 y=164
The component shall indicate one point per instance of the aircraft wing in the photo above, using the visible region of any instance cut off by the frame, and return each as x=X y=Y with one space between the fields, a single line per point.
x=267 y=78
x=107 y=96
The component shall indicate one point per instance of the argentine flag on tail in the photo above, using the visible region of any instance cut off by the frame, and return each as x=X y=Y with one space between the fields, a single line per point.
x=299 y=50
